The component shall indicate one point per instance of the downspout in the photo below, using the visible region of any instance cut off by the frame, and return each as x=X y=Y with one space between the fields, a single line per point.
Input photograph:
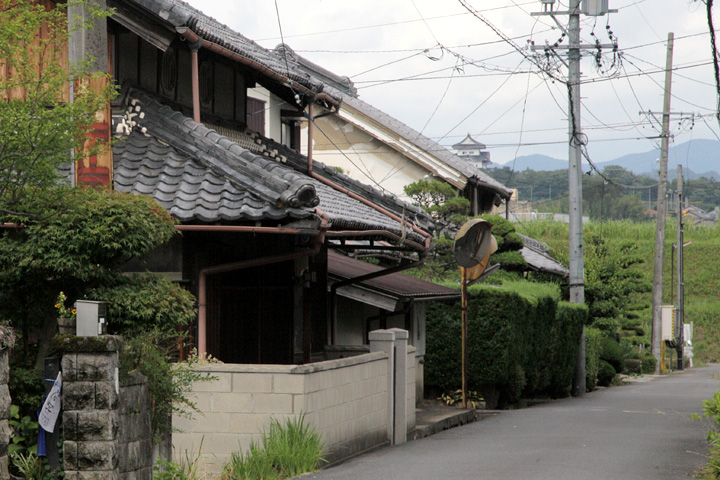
x=361 y=278
x=311 y=119
x=476 y=205
x=318 y=240
x=195 y=77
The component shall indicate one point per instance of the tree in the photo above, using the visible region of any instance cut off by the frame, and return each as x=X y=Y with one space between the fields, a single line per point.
x=74 y=245
x=612 y=279
x=40 y=128
x=442 y=202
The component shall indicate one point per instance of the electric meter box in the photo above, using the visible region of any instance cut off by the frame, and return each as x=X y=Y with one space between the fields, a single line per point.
x=91 y=318
x=595 y=8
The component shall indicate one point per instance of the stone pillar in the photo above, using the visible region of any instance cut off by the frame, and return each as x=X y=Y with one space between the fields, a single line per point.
x=4 y=413
x=90 y=368
x=401 y=381
x=384 y=341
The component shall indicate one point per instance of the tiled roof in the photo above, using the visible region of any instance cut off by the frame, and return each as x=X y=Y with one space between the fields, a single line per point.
x=468 y=141
x=274 y=150
x=181 y=14
x=200 y=175
x=537 y=256
x=343 y=88
x=397 y=285
x=187 y=189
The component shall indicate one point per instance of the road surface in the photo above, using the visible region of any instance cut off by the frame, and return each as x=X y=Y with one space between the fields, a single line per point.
x=637 y=431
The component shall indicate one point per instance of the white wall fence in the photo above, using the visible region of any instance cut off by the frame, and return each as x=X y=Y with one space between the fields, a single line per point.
x=356 y=403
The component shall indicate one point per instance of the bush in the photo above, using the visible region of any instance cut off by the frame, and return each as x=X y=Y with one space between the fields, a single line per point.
x=142 y=303
x=611 y=352
x=564 y=347
x=169 y=382
x=606 y=374
x=633 y=366
x=520 y=342
x=648 y=364
x=593 y=338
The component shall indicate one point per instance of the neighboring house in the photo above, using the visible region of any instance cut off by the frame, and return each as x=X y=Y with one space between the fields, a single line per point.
x=375 y=148
x=697 y=216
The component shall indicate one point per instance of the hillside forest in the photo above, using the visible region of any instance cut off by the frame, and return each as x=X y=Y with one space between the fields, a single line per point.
x=617 y=194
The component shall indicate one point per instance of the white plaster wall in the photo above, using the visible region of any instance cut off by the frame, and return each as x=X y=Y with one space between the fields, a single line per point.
x=361 y=157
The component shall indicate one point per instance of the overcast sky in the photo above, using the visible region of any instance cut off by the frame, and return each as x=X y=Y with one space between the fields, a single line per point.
x=438 y=68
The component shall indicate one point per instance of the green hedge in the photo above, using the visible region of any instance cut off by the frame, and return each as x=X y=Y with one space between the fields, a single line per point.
x=521 y=342
x=593 y=341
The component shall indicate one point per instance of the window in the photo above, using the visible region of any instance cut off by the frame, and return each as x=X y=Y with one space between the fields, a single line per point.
x=256 y=115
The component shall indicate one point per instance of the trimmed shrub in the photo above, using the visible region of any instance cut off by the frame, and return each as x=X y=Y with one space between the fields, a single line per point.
x=520 y=342
x=606 y=374
x=611 y=352
x=565 y=337
x=633 y=365
x=648 y=364
x=593 y=337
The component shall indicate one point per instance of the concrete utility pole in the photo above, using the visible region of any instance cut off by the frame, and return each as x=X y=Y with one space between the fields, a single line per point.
x=656 y=337
x=576 y=263
x=680 y=304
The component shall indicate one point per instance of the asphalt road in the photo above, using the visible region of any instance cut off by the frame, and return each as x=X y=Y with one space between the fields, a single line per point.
x=636 y=431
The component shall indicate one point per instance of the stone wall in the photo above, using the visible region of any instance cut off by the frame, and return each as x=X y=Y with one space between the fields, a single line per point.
x=135 y=444
x=106 y=429
x=4 y=413
x=348 y=401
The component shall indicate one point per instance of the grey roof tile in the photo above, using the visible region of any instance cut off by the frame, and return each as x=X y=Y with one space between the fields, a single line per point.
x=181 y=14
x=201 y=184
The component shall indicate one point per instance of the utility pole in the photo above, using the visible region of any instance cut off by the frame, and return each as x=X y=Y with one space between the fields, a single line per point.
x=656 y=337
x=576 y=142
x=576 y=262
x=680 y=304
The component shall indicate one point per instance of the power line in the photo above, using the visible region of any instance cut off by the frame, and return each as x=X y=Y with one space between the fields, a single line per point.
x=389 y=24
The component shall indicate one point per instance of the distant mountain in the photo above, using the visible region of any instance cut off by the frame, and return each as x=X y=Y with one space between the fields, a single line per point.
x=699 y=158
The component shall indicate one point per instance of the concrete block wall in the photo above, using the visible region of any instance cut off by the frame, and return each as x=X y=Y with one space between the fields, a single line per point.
x=350 y=401
x=345 y=400
x=412 y=379
x=4 y=413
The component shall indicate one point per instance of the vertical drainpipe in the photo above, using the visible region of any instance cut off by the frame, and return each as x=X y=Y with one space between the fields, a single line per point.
x=195 y=76
x=476 y=206
x=311 y=118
